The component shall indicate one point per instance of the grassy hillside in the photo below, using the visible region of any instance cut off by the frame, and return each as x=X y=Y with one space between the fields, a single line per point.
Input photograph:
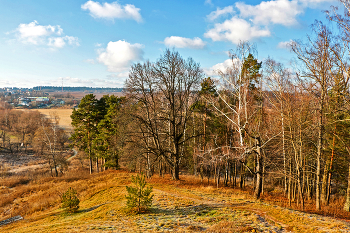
x=178 y=206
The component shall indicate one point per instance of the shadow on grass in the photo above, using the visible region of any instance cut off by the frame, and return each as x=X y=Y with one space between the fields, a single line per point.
x=91 y=208
x=193 y=209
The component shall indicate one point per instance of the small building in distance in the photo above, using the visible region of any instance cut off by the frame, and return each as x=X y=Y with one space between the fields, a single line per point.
x=33 y=101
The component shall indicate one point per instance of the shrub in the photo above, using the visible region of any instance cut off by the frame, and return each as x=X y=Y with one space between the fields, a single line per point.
x=70 y=201
x=139 y=197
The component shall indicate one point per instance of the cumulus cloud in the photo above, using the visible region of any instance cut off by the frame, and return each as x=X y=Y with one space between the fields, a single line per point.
x=119 y=55
x=112 y=10
x=33 y=33
x=254 y=21
x=214 y=70
x=277 y=12
x=220 y=12
x=236 y=30
x=181 y=42
x=316 y=1
x=52 y=36
x=60 y=42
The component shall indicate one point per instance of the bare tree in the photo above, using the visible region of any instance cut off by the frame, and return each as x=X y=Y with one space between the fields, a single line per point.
x=164 y=92
x=242 y=97
x=319 y=68
x=49 y=141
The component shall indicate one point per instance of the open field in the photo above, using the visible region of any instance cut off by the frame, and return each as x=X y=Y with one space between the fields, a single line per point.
x=64 y=114
x=80 y=95
x=178 y=206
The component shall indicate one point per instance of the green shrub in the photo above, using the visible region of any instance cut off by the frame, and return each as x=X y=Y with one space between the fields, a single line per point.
x=70 y=201
x=139 y=198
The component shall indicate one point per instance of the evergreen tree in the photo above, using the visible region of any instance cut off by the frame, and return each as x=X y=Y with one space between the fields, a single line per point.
x=84 y=122
x=140 y=196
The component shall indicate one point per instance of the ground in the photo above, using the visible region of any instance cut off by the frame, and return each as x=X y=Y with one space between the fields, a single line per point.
x=178 y=206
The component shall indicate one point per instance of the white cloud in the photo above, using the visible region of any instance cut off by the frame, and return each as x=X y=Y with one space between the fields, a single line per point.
x=254 y=21
x=57 y=42
x=34 y=33
x=277 y=12
x=316 y=1
x=72 y=40
x=220 y=12
x=220 y=67
x=60 y=42
x=119 y=55
x=285 y=44
x=236 y=30
x=181 y=42
x=112 y=10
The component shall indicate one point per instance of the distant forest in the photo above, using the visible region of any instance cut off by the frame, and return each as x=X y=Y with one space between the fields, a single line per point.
x=89 y=89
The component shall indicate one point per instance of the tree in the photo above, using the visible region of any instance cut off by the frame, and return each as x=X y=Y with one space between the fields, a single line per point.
x=319 y=69
x=70 y=201
x=139 y=196
x=109 y=139
x=164 y=92
x=243 y=102
x=341 y=53
x=84 y=122
x=49 y=140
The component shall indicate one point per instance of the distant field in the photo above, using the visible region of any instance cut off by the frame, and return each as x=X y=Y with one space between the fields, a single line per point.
x=80 y=95
x=64 y=114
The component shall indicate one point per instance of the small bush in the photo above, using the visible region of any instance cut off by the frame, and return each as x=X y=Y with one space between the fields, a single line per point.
x=139 y=197
x=70 y=201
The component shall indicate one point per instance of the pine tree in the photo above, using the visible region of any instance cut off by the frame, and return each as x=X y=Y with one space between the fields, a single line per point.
x=139 y=197
x=70 y=200
x=84 y=122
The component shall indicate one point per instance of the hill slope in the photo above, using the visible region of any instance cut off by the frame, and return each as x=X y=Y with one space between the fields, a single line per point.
x=178 y=206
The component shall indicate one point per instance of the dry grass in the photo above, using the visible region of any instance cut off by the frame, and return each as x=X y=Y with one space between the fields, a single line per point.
x=14 y=181
x=179 y=206
x=64 y=114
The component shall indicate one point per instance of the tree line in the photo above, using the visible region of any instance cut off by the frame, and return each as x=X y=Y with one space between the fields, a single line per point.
x=260 y=121
x=30 y=131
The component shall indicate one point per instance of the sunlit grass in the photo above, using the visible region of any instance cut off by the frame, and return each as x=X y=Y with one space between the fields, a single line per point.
x=183 y=206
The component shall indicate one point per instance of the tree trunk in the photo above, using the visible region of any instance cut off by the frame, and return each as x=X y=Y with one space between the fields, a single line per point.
x=235 y=174
x=347 y=201
x=218 y=177
x=259 y=164
x=324 y=185
x=91 y=170
x=300 y=189
x=241 y=181
x=319 y=147
x=330 y=170
x=176 y=169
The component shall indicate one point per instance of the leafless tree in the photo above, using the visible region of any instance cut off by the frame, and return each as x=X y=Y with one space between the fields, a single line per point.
x=164 y=92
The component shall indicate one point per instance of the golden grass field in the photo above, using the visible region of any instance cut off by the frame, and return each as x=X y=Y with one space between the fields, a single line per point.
x=178 y=206
x=64 y=114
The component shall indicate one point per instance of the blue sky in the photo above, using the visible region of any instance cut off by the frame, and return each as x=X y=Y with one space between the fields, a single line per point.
x=93 y=43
